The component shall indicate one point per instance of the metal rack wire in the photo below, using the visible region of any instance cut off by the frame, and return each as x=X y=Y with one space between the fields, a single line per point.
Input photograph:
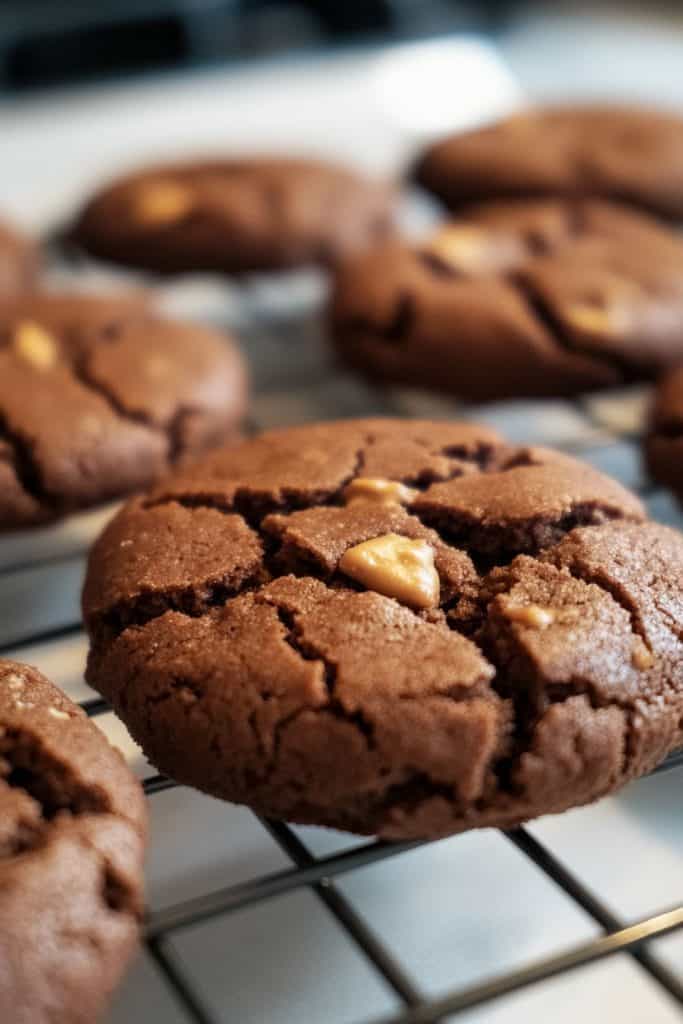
x=293 y=391
x=319 y=874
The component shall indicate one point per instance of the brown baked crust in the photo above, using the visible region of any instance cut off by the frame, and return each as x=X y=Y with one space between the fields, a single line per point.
x=73 y=828
x=244 y=215
x=631 y=154
x=664 y=442
x=249 y=665
x=112 y=396
x=562 y=297
x=19 y=261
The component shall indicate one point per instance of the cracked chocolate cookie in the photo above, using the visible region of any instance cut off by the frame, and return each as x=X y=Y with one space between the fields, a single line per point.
x=73 y=827
x=625 y=153
x=391 y=627
x=100 y=396
x=517 y=299
x=19 y=261
x=234 y=216
x=664 y=443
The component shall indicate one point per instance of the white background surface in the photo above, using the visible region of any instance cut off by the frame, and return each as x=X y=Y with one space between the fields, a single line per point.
x=454 y=912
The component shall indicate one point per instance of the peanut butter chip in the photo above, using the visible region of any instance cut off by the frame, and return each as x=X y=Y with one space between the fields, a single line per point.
x=462 y=246
x=533 y=615
x=597 y=320
x=379 y=492
x=396 y=567
x=34 y=345
x=641 y=656
x=162 y=202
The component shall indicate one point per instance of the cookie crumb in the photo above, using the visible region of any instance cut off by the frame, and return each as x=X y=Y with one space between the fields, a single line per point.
x=532 y=615
x=396 y=567
x=35 y=345
x=597 y=320
x=378 y=491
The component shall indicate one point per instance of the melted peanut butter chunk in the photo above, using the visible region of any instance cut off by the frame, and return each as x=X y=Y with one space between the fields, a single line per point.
x=396 y=567
x=533 y=615
x=596 y=320
x=472 y=249
x=162 y=202
x=462 y=247
x=378 y=491
x=35 y=345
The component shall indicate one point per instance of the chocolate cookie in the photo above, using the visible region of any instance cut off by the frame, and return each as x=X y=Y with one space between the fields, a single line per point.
x=664 y=444
x=625 y=153
x=72 y=835
x=234 y=216
x=537 y=298
x=392 y=627
x=99 y=396
x=19 y=261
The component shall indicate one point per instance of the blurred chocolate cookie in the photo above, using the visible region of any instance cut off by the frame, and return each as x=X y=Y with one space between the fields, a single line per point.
x=664 y=443
x=234 y=216
x=625 y=153
x=530 y=298
x=99 y=396
x=19 y=261
x=393 y=627
x=73 y=826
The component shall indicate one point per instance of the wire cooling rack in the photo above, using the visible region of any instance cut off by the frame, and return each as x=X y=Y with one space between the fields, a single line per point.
x=295 y=381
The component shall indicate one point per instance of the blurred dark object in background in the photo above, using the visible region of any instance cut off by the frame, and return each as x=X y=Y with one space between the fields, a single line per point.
x=48 y=42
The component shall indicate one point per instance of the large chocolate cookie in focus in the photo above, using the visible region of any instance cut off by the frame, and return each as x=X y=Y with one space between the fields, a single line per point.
x=630 y=154
x=392 y=627
x=100 y=396
x=73 y=827
x=532 y=298
x=234 y=216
